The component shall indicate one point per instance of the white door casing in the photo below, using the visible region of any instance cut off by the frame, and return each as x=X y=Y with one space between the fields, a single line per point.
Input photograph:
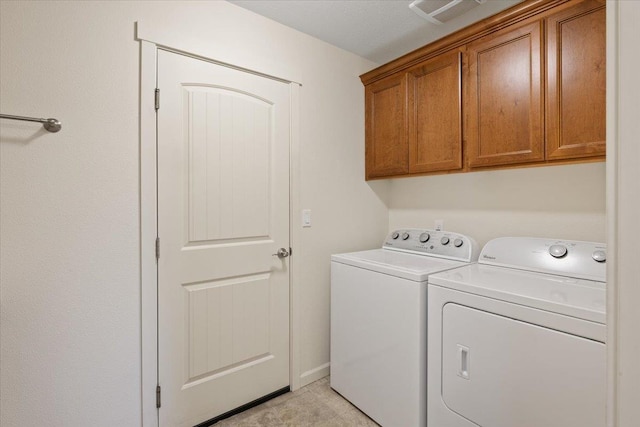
x=223 y=210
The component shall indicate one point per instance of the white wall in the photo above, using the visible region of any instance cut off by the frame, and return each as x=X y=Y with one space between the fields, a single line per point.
x=565 y=202
x=69 y=224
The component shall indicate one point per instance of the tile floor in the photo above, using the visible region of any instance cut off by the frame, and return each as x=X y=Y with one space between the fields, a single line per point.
x=314 y=405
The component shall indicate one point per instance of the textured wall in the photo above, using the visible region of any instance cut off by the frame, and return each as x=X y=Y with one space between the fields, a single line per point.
x=69 y=220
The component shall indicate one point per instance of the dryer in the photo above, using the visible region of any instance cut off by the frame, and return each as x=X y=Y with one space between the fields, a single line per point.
x=519 y=338
x=379 y=321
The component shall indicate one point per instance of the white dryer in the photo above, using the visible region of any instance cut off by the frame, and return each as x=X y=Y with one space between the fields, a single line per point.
x=379 y=321
x=518 y=340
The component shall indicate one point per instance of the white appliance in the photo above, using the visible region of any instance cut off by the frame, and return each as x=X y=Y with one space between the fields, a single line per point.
x=518 y=340
x=379 y=321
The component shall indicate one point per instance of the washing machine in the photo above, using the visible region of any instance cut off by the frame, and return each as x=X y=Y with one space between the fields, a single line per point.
x=379 y=321
x=518 y=339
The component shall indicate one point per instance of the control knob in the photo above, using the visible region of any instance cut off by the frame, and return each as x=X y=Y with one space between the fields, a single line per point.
x=424 y=237
x=557 y=251
x=395 y=235
x=599 y=255
x=405 y=236
x=444 y=240
x=457 y=243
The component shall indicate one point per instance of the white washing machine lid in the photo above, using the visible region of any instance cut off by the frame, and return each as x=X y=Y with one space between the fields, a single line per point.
x=583 y=299
x=399 y=264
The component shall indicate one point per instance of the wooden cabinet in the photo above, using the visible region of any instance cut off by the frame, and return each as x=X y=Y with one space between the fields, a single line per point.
x=576 y=82
x=525 y=87
x=504 y=98
x=386 y=149
x=414 y=120
x=435 y=115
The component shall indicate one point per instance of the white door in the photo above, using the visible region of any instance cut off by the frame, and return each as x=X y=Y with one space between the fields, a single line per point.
x=223 y=210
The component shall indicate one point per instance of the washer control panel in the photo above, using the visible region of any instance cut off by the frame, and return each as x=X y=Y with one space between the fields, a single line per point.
x=441 y=244
x=571 y=258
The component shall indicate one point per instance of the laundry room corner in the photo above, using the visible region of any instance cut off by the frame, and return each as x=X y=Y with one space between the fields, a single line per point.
x=345 y=212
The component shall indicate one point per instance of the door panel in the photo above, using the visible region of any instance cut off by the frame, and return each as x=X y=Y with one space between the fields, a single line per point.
x=504 y=102
x=501 y=372
x=435 y=115
x=386 y=127
x=223 y=210
x=228 y=323
x=576 y=82
x=228 y=139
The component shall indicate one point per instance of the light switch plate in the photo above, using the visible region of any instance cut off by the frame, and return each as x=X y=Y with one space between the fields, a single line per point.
x=306 y=217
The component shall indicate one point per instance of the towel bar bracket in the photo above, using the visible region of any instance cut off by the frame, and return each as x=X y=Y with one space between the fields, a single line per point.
x=52 y=125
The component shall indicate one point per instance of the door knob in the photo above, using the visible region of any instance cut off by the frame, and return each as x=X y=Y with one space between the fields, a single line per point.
x=282 y=253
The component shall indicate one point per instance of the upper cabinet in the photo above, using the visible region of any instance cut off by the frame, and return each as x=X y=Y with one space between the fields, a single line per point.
x=504 y=97
x=435 y=115
x=386 y=127
x=576 y=82
x=414 y=120
x=525 y=87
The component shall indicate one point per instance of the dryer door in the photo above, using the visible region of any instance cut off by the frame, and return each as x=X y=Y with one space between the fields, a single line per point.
x=501 y=372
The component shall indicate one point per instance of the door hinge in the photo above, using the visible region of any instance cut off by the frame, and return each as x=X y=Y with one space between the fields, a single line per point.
x=157 y=248
x=158 y=393
x=157 y=95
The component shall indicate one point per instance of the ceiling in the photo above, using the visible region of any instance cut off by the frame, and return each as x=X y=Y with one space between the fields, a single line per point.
x=379 y=30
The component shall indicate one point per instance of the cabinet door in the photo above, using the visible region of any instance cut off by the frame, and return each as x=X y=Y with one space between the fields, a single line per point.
x=504 y=103
x=386 y=127
x=435 y=121
x=576 y=82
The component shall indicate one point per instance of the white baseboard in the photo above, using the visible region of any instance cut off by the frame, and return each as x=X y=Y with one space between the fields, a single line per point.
x=314 y=374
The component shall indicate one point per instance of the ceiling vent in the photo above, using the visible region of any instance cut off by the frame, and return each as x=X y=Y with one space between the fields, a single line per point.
x=440 y=11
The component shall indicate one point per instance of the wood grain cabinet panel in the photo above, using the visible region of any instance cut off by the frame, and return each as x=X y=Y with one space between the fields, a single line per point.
x=435 y=115
x=576 y=82
x=526 y=87
x=504 y=98
x=386 y=148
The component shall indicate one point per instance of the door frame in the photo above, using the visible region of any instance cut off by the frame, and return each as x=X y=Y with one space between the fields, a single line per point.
x=149 y=226
x=623 y=209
